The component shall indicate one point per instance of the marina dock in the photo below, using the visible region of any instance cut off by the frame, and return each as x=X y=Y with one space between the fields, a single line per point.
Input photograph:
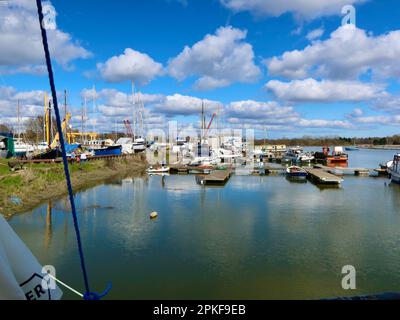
x=217 y=177
x=323 y=177
x=361 y=172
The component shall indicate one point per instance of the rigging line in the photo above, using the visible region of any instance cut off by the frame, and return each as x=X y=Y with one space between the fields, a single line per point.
x=66 y=286
x=88 y=295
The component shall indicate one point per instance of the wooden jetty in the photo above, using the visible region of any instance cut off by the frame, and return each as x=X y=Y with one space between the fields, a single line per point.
x=217 y=177
x=323 y=177
x=360 y=172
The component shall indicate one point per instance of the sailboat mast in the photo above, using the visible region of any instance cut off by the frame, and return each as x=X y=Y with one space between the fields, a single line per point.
x=65 y=103
x=133 y=111
x=82 y=119
x=18 y=120
x=202 y=122
x=45 y=116
x=94 y=106
x=65 y=111
x=84 y=122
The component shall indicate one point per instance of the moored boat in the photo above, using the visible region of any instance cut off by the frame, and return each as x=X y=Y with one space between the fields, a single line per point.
x=22 y=149
x=108 y=151
x=352 y=149
x=393 y=168
x=297 y=155
x=337 y=157
x=296 y=172
x=160 y=170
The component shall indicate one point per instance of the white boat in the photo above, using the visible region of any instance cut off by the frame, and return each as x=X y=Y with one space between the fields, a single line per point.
x=139 y=145
x=3 y=147
x=161 y=170
x=22 y=149
x=297 y=155
x=127 y=145
x=205 y=161
x=42 y=146
x=393 y=168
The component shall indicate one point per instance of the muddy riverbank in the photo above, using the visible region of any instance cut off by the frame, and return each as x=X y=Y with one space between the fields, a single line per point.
x=25 y=189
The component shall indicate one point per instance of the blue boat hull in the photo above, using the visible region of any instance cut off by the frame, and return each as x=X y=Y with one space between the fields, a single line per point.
x=351 y=149
x=297 y=175
x=109 y=151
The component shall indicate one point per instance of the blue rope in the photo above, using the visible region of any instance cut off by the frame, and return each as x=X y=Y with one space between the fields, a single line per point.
x=88 y=295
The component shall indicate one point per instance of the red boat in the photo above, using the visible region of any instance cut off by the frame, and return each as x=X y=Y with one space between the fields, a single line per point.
x=336 y=158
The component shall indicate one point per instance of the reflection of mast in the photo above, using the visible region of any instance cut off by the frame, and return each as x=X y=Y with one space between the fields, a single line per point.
x=49 y=229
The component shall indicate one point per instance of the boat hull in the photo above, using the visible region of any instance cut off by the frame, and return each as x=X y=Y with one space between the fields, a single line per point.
x=297 y=175
x=296 y=172
x=48 y=155
x=108 y=151
x=351 y=149
x=395 y=177
x=394 y=169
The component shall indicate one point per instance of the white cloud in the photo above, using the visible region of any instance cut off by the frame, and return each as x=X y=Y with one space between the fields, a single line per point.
x=218 y=60
x=271 y=111
x=131 y=65
x=348 y=54
x=302 y=9
x=21 y=49
x=315 y=34
x=30 y=102
x=380 y=119
x=271 y=115
x=311 y=90
x=357 y=112
x=332 y=124
x=185 y=105
x=390 y=104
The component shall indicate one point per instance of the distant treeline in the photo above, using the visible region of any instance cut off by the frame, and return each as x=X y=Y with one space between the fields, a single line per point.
x=332 y=141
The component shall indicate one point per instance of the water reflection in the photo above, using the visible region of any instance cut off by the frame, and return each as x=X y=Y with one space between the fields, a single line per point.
x=49 y=230
x=257 y=237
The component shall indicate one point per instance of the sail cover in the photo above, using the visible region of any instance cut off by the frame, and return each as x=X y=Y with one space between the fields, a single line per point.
x=21 y=276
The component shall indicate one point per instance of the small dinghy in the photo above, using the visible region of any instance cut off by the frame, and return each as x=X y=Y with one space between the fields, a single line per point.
x=296 y=172
x=160 y=170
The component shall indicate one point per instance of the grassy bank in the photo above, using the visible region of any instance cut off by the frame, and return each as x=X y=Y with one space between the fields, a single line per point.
x=25 y=189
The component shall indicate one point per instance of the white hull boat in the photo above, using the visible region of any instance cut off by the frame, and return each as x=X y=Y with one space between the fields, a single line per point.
x=298 y=156
x=162 y=170
x=393 y=168
x=23 y=149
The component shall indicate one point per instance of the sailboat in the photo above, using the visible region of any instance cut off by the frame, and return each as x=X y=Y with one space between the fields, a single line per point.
x=21 y=148
x=352 y=148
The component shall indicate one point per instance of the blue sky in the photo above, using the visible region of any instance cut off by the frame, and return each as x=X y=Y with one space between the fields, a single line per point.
x=292 y=70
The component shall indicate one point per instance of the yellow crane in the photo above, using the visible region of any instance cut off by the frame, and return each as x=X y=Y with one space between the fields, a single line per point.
x=64 y=125
x=72 y=136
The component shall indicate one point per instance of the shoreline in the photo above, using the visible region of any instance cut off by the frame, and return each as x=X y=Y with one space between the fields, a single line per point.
x=26 y=189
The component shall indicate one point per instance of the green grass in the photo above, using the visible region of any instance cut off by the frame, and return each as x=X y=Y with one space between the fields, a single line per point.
x=4 y=170
x=12 y=181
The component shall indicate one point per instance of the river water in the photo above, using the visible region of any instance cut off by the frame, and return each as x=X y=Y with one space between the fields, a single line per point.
x=255 y=238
